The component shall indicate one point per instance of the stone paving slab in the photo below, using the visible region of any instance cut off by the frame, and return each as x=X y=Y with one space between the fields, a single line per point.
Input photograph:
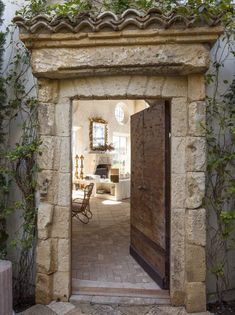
x=38 y=310
x=60 y=308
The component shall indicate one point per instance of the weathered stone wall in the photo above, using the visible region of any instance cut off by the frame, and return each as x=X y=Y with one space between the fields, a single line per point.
x=54 y=216
x=187 y=269
x=151 y=64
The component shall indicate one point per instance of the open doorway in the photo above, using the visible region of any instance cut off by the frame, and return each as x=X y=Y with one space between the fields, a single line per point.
x=109 y=241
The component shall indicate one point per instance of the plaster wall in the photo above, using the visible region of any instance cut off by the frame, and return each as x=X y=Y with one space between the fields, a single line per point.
x=106 y=110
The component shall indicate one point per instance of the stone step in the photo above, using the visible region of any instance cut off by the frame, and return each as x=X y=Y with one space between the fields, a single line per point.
x=76 y=299
x=111 y=289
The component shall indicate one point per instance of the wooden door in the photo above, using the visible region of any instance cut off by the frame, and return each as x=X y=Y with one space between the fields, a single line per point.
x=150 y=184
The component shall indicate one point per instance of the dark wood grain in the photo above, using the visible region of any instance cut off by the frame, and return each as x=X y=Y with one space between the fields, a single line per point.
x=150 y=191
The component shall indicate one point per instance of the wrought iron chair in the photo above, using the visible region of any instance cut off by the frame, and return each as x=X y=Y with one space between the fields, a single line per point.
x=81 y=206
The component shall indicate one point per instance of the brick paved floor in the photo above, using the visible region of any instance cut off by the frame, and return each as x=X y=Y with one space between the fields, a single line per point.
x=100 y=249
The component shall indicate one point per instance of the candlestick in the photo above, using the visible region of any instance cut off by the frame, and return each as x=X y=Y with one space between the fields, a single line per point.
x=82 y=166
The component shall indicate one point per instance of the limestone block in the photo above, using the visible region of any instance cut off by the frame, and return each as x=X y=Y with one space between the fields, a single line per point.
x=195 y=189
x=62 y=156
x=47 y=256
x=48 y=91
x=196 y=154
x=149 y=58
x=46 y=118
x=116 y=87
x=195 y=263
x=44 y=288
x=63 y=119
x=61 y=286
x=64 y=190
x=177 y=265
x=48 y=186
x=196 y=87
x=178 y=184
x=64 y=250
x=45 y=214
x=179 y=117
x=196 y=226
x=175 y=87
x=61 y=222
x=137 y=85
x=154 y=87
x=197 y=119
x=46 y=157
x=195 y=297
x=178 y=155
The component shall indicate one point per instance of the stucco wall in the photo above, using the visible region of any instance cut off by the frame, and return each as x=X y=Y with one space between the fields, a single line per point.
x=227 y=72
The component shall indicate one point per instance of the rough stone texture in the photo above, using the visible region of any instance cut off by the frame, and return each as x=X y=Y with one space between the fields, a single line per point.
x=178 y=155
x=195 y=297
x=197 y=119
x=62 y=154
x=46 y=118
x=113 y=60
x=61 y=222
x=195 y=263
x=61 y=308
x=64 y=190
x=151 y=70
x=64 y=252
x=44 y=288
x=196 y=226
x=196 y=87
x=45 y=215
x=46 y=256
x=178 y=194
x=63 y=119
x=177 y=260
x=46 y=157
x=38 y=310
x=196 y=154
x=179 y=116
x=48 y=186
x=47 y=91
x=61 y=286
x=174 y=87
x=123 y=86
x=195 y=186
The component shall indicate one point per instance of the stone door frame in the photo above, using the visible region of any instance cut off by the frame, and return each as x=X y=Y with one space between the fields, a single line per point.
x=118 y=58
x=188 y=235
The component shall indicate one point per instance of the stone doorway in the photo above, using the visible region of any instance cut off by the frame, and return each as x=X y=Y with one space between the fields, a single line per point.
x=101 y=261
x=135 y=60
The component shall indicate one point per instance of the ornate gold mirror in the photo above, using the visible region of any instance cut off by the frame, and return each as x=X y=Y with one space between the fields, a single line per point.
x=98 y=134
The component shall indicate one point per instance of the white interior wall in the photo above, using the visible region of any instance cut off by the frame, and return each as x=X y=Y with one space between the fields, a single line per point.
x=83 y=110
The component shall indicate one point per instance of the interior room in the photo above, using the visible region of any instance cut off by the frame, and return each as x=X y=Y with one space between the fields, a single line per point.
x=101 y=151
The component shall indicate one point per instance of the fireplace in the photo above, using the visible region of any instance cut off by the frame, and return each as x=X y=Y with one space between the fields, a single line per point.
x=102 y=170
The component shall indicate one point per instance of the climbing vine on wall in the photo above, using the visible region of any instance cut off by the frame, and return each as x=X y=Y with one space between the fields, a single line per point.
x=18 y=162
x=220 y=199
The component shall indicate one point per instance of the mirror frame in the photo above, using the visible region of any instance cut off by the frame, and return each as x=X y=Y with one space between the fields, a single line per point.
x=100 y=121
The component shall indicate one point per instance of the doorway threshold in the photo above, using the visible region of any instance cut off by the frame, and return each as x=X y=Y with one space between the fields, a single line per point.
x=118 y=293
